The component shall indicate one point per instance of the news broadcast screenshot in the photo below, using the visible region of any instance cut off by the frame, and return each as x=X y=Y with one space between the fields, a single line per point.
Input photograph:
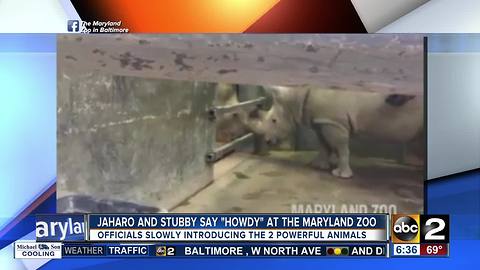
x=272 y=134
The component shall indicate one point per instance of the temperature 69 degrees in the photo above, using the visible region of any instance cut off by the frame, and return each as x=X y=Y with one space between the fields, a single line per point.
x=434 y=250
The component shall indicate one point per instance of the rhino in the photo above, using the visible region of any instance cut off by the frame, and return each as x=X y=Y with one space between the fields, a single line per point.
x=336 y=116
x=228 y=125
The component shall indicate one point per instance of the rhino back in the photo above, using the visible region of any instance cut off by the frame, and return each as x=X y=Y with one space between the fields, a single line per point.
x=397 y=123
x=368 y=113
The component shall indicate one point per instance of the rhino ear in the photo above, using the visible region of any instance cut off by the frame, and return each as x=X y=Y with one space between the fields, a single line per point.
x=280 y=93
x=246 y=116
x=223 y=92
x=253 y=120
x=275 y=92
x=257 y=115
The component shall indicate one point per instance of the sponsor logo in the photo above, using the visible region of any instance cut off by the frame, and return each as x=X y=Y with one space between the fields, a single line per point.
x=36 y=250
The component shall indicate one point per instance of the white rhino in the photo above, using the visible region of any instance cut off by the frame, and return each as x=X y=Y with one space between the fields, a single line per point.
x=336 y=115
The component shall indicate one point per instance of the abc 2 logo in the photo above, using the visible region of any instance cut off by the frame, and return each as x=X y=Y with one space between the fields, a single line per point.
x=164 y=251
x=415 y=229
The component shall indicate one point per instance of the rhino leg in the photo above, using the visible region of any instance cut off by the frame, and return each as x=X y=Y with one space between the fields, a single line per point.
x=323 y=159
x=333 y=158
x=338 y=139
x=414 y=151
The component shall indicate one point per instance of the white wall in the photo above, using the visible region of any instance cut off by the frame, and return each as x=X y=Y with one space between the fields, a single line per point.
x=453 y=113
x=439 y=16
x=376 y=14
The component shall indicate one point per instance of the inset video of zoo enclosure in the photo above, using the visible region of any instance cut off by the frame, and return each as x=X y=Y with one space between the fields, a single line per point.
x=241 y=123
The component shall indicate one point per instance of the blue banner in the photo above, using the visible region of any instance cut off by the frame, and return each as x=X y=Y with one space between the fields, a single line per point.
x=164 y=250
x=237 y=221
x=68 y=227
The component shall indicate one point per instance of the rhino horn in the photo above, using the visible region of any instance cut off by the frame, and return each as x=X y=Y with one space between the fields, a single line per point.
x=253 y=120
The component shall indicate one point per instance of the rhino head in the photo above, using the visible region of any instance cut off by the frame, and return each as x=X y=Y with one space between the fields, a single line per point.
x=277 y=123
x=228 y=125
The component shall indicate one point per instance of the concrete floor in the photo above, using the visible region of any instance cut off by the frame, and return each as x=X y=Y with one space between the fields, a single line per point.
x=283 y=182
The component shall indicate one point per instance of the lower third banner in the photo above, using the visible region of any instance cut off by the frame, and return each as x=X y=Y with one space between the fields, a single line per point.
x=161 y=250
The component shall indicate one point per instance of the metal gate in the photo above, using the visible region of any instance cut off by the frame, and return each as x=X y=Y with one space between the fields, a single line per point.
x=235 y=144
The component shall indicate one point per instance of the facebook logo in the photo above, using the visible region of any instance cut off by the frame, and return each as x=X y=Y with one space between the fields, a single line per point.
x=73 y=26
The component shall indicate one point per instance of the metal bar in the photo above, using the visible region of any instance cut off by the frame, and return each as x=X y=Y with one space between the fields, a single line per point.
x=227 y=148
x=214 y=112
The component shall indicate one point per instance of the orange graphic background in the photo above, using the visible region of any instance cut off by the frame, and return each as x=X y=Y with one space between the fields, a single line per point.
x=186 y=16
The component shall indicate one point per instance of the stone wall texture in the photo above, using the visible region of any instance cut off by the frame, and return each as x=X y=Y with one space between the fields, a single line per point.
x=133 y=139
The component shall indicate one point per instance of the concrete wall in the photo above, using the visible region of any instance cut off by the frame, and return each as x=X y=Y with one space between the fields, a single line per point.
x=133 y=139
